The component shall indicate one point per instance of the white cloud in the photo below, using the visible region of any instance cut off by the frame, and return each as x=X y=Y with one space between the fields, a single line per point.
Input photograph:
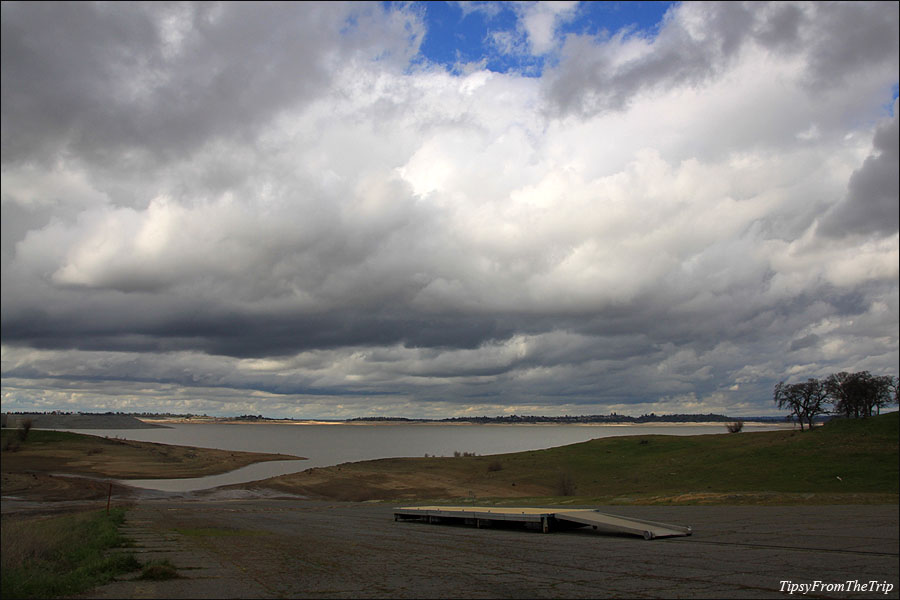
x=643 y=224
x=540 y=21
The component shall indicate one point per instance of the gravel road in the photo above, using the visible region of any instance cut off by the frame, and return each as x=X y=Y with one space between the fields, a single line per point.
x=273 y=548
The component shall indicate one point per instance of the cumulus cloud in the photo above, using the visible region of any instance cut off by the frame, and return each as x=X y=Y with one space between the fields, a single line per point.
x=119 y=84
x=212 y=202
x=871 y=205
x=830 y=46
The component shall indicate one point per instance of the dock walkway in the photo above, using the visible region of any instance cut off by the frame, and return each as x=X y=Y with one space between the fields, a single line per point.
x=548 y=519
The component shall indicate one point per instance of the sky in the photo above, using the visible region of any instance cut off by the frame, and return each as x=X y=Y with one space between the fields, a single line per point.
x=333 y=210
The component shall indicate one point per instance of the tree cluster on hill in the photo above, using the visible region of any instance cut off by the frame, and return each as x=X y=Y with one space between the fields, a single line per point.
x=851 y=395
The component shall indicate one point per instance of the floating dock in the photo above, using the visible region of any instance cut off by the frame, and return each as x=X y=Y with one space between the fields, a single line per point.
x=545 y=519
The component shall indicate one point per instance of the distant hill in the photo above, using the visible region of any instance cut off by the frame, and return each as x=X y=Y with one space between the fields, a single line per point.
x=77 y=421
x=611 y=418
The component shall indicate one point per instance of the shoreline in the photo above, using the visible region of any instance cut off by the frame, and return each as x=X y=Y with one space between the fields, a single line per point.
x=302 y=422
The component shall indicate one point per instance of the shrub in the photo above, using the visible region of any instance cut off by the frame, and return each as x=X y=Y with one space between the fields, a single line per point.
x=24 y=428
x=495 y=466
x=735 y=427
x=159 y=570
x=565 y=486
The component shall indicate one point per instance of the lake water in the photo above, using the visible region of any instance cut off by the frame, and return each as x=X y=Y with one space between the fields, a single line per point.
x=327 y=445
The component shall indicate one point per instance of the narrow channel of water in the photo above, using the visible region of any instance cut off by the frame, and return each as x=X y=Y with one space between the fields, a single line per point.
x=253 y=472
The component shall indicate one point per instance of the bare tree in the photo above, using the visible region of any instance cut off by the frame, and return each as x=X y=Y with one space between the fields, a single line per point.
x=805 y=400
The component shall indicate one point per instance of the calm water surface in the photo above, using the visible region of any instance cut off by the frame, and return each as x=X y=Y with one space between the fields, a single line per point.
x=327 y=445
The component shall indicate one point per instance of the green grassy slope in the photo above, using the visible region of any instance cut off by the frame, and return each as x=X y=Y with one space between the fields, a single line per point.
x=858 y=456
x=853 y=461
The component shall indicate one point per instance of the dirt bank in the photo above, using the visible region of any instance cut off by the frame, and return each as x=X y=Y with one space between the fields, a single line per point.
x=34 y=469
x=77 y=421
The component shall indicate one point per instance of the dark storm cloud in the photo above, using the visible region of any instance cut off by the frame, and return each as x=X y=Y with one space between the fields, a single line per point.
x=872 y=204
x=836 y=39
x=850 y=38
x=244 y=335
x=588 y=80
x=106 y=81
x=805 y=342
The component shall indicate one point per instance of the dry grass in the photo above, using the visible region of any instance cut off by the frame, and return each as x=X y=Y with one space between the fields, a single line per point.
x=160 y=570
x=64 y=452
x=30 y=469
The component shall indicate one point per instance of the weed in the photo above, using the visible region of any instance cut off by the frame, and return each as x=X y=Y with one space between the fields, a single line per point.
x=735 y=427
x=61 y=556
x=159 y=570
x=24 y=428
x=565 y=485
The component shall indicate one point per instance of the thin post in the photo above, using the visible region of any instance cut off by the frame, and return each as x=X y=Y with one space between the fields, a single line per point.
x=108 y=498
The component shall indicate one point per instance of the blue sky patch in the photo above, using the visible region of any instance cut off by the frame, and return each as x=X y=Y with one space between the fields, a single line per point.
x=492 y=32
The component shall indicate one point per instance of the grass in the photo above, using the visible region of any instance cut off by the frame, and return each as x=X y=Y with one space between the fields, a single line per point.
x=44 y=436
x=63 y=555
x=852 y=461
x=159 y=570
x=857 y=456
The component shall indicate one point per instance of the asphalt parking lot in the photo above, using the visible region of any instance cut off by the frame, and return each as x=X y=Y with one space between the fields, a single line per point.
x=271 y=548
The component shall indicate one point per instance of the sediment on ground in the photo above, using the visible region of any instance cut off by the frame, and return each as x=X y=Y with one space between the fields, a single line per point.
x=42 y=465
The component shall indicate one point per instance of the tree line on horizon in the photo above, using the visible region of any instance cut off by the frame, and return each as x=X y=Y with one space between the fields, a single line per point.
x=850 y=395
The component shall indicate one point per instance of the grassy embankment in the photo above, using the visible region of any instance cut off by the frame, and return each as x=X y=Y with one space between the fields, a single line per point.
x=845 y=461
x=62 y=556
x=28 y=466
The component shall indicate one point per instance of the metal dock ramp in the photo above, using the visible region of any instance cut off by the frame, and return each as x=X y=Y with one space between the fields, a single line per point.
x=547 y=519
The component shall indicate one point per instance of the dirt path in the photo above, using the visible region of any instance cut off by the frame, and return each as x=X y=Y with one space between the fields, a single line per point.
x=203 y=573
x=268 y=548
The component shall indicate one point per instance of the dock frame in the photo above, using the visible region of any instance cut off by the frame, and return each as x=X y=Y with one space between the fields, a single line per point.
x=545 y=519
